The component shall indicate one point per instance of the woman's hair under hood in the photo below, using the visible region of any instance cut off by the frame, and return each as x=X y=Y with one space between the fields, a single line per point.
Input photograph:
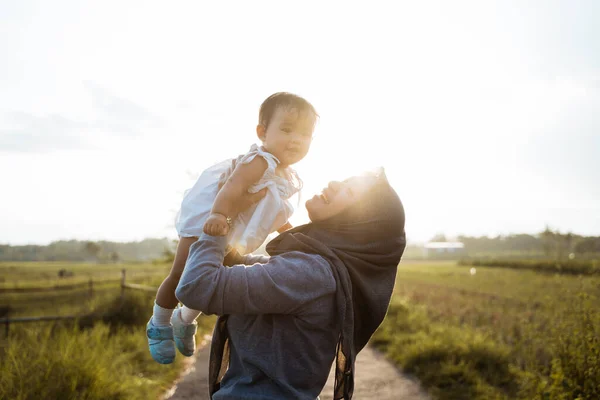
x=363 y=244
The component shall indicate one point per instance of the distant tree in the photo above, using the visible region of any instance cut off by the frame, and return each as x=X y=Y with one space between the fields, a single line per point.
x=567 y=244
x=92 y=249
x=556 y=244
x=74 y=250
x=114 y=257
x=548 y=240
x=587 y=245
x=169 y=252
x=168 y=256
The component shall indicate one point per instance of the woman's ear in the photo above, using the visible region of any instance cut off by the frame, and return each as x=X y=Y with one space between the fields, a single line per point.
x=261 y=132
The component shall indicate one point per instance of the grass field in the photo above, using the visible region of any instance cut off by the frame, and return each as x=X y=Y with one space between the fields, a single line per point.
x=45 y=274
x=92 y=357
x=34 y=289
x=497 y=333
x=493 y=334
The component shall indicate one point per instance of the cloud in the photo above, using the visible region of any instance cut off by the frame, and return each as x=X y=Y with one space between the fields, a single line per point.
x=40 y=134
x=116 y=117
x=120 y=115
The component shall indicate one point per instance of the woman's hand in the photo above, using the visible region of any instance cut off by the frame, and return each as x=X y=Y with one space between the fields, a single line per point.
x=243 y=202
x=216 y=224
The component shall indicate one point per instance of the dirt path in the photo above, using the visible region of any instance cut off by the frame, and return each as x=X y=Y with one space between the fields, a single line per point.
x=376 y=379
x=193 y=384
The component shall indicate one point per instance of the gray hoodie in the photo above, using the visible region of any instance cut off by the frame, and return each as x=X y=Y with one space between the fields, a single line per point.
x=282 y=319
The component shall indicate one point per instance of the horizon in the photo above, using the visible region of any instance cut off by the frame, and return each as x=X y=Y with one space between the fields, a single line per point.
x=449 y=238
x=484 y=116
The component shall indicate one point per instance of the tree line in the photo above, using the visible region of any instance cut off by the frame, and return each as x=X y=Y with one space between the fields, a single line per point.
x=90 y=251
x=549 y=244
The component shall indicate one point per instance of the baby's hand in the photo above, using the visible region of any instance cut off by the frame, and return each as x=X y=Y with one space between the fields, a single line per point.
x=216 y=225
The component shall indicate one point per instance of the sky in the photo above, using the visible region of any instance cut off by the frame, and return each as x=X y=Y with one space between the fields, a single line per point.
x=484 y=114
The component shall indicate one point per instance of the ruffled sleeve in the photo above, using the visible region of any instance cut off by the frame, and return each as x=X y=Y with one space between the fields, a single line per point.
x=255 y=150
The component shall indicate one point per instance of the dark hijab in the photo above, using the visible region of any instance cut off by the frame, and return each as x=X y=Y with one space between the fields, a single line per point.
x=363 y=245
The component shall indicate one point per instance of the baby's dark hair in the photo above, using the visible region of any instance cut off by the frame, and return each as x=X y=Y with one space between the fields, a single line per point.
x=286 y=100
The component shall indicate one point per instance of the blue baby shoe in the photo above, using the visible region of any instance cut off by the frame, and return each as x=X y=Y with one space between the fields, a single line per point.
x=184 y=334
x=160 y=341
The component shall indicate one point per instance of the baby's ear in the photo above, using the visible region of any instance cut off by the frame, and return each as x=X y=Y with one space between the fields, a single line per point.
x=261 y=132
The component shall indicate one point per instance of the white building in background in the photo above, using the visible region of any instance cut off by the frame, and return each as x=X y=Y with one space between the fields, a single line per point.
x=443 y=249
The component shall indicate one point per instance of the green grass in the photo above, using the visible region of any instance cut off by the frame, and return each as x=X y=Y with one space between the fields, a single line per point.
x=76 y=300
x=45 y=274
x=93 y=357
x=499 y=333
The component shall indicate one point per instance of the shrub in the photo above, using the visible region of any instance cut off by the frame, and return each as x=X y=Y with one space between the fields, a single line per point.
x=94 y=358
x=575 y=370
x=453 y=363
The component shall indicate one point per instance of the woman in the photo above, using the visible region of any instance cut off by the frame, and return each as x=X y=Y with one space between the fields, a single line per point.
x=321 y=295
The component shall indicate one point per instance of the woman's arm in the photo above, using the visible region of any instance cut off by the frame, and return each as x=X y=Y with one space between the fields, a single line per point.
x=280 y=286
x=236 y=186
x=235 y=258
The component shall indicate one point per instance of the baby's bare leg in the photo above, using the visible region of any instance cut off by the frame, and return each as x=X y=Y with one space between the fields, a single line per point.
x=165 y=297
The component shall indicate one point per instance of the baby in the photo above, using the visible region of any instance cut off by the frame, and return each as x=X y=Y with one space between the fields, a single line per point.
x=285 y=128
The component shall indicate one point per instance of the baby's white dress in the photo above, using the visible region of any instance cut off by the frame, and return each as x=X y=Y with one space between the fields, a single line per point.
x=251 y=227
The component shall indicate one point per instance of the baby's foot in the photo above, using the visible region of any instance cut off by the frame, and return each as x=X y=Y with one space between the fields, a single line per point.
x=183 y=334
x=160 y=342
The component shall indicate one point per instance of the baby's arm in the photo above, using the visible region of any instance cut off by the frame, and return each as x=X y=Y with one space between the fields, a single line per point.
x=236 y=186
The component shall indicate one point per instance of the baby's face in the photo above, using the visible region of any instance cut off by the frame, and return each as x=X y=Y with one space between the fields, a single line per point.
x=289 y=135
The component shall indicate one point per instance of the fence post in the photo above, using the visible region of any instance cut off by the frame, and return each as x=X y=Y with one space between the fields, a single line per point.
x=7 y=327
x=123 y=271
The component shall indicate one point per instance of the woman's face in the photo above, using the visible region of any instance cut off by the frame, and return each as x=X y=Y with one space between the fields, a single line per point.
x=338 y=196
